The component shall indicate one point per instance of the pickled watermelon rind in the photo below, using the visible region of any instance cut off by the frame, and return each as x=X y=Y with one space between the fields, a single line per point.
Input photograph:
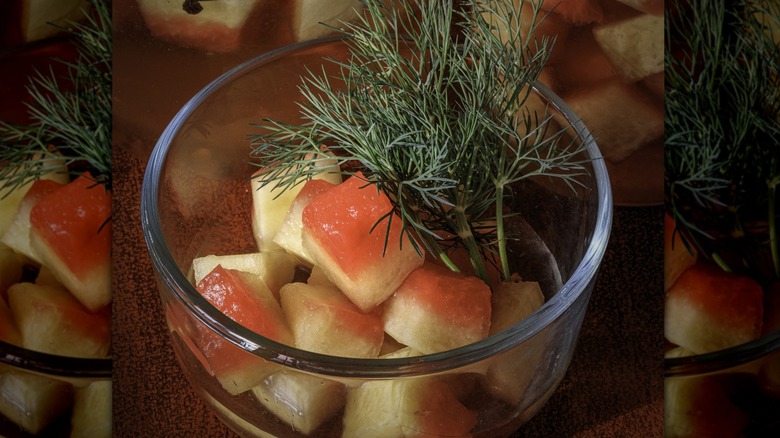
x=172 y=274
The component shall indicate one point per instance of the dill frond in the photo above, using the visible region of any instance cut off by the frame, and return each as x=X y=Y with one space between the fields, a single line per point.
x=722 y=146
x=431 y=108
x=70 y=116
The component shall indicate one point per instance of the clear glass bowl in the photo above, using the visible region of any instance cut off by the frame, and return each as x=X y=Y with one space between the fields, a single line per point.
x=195 y=201
x=732 y=392
x=17 y=364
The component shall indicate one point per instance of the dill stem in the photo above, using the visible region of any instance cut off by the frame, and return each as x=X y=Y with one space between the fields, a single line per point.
x=500 y=234
x=720 y=262
x=440 y=254
x=448 y=262
x=433 y=246
x=422 y=116
x=467 y=236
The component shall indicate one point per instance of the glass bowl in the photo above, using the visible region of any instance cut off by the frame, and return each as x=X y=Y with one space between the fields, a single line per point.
x=22 y=368
x=732 y=392
x=57 y=377
x=196 y=201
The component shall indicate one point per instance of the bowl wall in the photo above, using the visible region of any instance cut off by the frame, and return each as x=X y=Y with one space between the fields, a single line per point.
x=196 y=201
x=733 y=392
x=37 y=390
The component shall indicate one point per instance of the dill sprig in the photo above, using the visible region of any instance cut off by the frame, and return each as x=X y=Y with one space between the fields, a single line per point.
x=723 y=131
x=70 y=116
x=431 y=107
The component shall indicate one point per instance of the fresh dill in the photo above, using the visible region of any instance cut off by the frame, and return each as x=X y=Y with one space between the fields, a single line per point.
x=431 y=107
x=70 y=116
x=722 y=146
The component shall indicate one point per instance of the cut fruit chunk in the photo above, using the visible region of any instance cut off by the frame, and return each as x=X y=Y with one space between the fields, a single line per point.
x=51 y=320
x=33 y=401
x=8 y=331
x=10 y=199
x=510 y=373
x=91 y=416
x=436 y=309
x=244 y=298
x=11 y=266
x=276 y=268
x=290 y=234
x=311 y=16
x=216 y=28
x=43 y=19
x=708 y=310
x=622 y=119
x=701 y=407
x=635 y=46
x=270 y=205
x=301 y=400
x=511 y=302
x=352 y=233
x=318 y=278
x=324 y=320
x=17 y=236
x=421 y=407
x=70 y=229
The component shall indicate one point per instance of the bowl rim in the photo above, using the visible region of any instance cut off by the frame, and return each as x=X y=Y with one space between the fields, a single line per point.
x=55 y=365
x=171 y=276
x=722 y=360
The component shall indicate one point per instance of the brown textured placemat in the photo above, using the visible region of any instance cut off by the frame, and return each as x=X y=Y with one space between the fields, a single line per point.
x=151 y=395
x=614 y=385
x=613 y=388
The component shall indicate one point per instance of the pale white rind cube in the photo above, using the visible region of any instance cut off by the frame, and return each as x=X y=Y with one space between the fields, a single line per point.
x=635 y=45
x=509 y=374
x=621 y=118
x=270 y=204
x=32 y=401
x=392 y=408
x=91 y=416
x=301 y=400
x=275 y=268
x=312 y=15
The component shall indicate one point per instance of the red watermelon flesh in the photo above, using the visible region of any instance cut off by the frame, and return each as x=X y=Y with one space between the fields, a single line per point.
x=244 y=298
x=436 y=309
x=71 y=230
x=17 y=236
x=352 y=233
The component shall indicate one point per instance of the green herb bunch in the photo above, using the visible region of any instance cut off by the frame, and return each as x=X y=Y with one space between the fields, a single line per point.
x=431 y=107
x=70 y=116
x=722 y=147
